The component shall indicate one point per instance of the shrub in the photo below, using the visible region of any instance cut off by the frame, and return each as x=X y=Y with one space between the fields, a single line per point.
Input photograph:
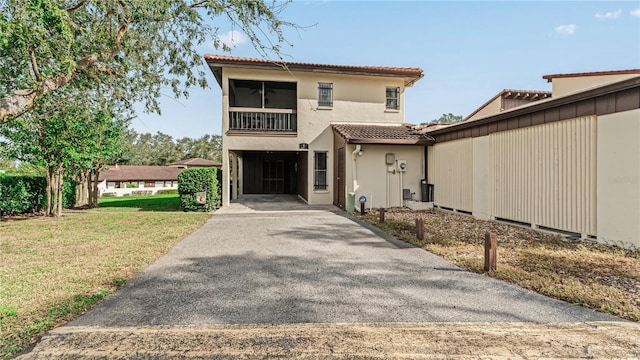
x=108 y=194
x=193 y=181
x=22 y=194
x=132 y=185
x=141 y=192
x=167 y=192
x=28 y=194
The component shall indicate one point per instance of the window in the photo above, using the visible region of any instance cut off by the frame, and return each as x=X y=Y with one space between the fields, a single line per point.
x=320 y=170
x=393 y=98
x=325 y=94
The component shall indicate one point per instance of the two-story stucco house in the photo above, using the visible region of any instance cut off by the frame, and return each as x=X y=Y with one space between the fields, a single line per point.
x=327 y=133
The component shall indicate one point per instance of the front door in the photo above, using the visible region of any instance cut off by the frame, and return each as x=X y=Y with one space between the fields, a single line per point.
x=339 y=181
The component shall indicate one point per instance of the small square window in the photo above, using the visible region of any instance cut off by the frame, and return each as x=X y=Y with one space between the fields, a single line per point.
x=393 y=98
x=325 y=94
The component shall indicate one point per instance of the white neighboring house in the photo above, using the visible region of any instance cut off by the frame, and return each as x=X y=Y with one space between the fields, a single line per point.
x=119 y=180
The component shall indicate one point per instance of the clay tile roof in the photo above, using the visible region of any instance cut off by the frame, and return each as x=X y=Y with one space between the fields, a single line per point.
x=381 y=134
x=196 y=162
x=139 y=173
x=411 y=74
x=595 y=73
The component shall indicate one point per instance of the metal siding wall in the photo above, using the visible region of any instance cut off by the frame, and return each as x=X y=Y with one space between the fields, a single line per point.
x=451 y=170
x=546 y=175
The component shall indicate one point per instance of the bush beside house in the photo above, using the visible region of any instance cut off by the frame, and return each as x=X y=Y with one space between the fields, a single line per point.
x=28 y=194
x=191 y=182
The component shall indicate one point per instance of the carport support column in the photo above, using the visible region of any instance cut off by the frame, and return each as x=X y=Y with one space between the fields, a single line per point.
x=240 y=176
x=226 y=161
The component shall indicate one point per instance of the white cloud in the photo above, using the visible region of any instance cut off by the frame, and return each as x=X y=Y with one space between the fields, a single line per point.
x=566 y=30
x=233 y=38
x=610 y=15
x=635 y=13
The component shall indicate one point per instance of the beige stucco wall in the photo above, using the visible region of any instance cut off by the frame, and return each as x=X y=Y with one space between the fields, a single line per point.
x=619 y=178
x=492 y=108
x=381 y=187
x=356 y=99
x=566 y=85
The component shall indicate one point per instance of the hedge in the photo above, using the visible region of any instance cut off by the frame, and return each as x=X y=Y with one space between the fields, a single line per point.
x=193 y=181
x=167 y=192
x=28 y=194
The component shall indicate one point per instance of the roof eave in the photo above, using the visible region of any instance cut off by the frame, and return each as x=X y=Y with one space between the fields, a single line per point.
x=216 y=65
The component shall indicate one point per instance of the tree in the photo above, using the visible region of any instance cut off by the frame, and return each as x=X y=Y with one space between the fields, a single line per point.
x=161 y=149
x=50 y=45
x=64 y=132
x=445 y=119
x=206 y=147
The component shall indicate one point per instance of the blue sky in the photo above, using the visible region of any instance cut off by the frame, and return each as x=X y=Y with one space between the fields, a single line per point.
x=469 y=51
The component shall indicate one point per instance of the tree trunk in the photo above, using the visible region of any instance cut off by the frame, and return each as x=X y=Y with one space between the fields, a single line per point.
x=60 y=190
x=93 y=188
x=49 y=187
x=82 y=189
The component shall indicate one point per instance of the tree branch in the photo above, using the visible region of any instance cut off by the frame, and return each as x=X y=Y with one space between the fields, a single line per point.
x=34 y=65
x=76 y=6
x=19 y=101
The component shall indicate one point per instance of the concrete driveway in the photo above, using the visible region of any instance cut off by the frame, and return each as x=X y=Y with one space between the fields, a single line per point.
x=269 y=261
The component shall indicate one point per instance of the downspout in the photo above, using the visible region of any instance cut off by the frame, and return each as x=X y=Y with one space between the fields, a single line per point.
x=354 y=154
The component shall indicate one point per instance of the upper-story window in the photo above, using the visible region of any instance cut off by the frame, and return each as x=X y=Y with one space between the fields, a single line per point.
x=393 y=98
x=262 y=94
x=325 y=94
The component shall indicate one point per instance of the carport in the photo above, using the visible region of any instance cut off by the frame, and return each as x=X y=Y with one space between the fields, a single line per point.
x=268 y=172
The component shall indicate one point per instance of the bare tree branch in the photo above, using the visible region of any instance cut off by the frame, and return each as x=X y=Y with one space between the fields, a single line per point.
x=34 y=66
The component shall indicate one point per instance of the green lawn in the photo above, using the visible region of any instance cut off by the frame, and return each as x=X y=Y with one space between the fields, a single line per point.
x=55 y=268
x=140 y=203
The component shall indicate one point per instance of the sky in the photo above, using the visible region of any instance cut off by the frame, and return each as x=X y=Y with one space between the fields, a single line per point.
x=469 y=51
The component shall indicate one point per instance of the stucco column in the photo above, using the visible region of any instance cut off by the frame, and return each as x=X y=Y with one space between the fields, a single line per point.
x=225 y=176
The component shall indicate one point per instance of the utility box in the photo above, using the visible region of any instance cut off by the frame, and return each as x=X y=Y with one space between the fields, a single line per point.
x=426 y=191
x=351 y=202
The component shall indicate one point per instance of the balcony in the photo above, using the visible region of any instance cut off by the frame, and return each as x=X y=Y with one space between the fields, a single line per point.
x=278 y=121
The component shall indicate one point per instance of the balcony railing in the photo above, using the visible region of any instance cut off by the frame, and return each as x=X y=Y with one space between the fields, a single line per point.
x=263 y=120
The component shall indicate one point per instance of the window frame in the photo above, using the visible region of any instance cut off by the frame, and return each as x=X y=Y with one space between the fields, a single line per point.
x=389 y=100
x=321 y=101
x=320 y=176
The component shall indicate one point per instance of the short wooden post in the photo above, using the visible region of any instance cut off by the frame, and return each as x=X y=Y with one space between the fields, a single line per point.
x=382 y=211
x=490 y=251
x=362 y=208
x=420 y=228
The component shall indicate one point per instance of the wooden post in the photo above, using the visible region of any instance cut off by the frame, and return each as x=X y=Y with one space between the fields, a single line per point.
x=382 y=211
x=362 y=208
x=490 y=251
x=420 y=228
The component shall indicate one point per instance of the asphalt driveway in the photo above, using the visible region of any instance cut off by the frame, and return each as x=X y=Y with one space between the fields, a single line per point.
x=251 y=265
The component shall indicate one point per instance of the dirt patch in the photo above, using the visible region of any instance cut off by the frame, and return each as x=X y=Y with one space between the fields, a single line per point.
x=598 y=276
x=604 y=340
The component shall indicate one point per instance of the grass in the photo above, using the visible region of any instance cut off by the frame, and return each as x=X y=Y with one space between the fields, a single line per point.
x=56 y=268
x=167 y=202
x=596 y=276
